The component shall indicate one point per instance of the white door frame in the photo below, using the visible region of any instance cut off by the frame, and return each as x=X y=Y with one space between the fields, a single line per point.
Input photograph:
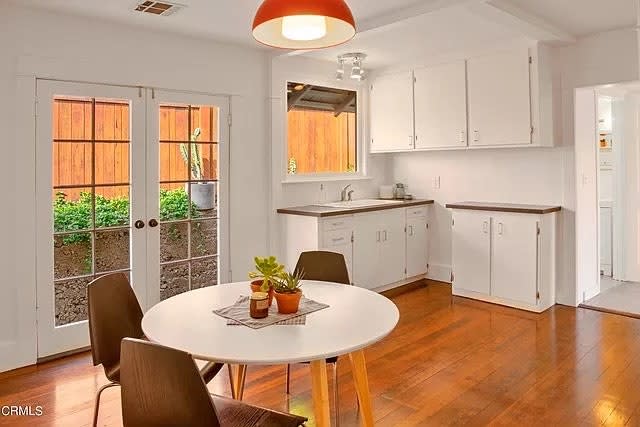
x=156 y=97
x=51 y=339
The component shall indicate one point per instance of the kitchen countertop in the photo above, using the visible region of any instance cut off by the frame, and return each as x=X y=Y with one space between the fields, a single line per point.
x=505 y=207
x=324 y=211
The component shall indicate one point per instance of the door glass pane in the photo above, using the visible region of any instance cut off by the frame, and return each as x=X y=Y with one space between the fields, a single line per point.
x=189 y=172
x=91 y=205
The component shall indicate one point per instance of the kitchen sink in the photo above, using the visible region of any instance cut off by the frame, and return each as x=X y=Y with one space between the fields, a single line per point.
x=362 y=203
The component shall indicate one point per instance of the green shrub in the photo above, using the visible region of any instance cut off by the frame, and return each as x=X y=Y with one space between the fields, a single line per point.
x=71 y=215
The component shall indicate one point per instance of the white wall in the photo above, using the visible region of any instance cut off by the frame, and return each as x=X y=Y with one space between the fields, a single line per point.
x=307 y=70
x=45 y=44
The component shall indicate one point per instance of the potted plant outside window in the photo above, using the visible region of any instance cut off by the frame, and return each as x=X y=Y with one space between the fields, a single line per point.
x=288 y=292
x=202 y=193
x=267 y=270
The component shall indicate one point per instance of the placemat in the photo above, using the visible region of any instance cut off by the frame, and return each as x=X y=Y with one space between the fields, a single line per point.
x=238 y=313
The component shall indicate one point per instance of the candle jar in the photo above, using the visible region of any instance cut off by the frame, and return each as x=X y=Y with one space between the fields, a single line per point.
x=259 y=305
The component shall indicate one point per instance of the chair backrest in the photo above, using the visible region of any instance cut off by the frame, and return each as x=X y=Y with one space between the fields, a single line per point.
x=114 y=314
x=324 y=266
x=161 y=386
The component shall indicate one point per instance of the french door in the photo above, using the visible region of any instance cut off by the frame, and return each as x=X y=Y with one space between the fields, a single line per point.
x=128 y=180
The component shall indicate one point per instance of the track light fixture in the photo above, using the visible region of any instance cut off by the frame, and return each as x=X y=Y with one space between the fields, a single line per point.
x=355 y=61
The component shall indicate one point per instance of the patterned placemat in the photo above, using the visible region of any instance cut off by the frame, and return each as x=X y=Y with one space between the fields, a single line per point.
x=238 y=313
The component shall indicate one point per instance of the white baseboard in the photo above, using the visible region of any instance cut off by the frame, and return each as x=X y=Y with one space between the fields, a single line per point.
x=439 y=272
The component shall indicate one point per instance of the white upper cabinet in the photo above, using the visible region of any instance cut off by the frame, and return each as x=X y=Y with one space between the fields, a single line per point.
x=499 y=92
x=391 y=113
x=441 y=106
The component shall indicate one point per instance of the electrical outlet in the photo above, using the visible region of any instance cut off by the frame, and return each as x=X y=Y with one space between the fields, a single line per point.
x=436 y=182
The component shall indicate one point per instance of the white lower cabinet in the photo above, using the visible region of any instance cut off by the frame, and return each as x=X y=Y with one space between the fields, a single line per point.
x=505 y=258
x=382 y=248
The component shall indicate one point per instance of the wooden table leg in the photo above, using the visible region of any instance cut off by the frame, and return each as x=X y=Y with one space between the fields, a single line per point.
x=361 y=380
x=320 y=392
x=237 y=375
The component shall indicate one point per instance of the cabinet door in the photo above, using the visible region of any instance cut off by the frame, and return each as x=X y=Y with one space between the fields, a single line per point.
x=499 y=98
x=391 y=113
x=367 y=237
x=440 y=95
x=471 y=251
x=417 y=246
x=514 y=258
x=392 y=260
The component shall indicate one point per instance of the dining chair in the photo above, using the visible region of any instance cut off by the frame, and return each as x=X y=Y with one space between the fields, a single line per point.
x=161 y=386
x=114 y=314
x=326 y=267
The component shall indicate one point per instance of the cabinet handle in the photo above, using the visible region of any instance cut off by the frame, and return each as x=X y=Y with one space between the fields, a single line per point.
x=500 y=228
x=462 y=138
x=377 y=236
x=139 y=224
x=411 y=230
x=485 y=227
x=337 y=239
x=385 y=235
x=335 y=224
x=476 y=135
x=410 y=140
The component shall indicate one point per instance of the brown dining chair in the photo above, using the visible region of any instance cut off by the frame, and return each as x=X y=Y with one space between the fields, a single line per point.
x=114 y=314
x=326 y=267
x=161 y=386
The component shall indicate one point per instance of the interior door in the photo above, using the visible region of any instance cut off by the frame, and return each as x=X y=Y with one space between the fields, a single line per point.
x=440 y=94
x=187 y=192
x=90 y=191
x=514 y=258
x=391 y=113
x=499 y=98
x=471 y=243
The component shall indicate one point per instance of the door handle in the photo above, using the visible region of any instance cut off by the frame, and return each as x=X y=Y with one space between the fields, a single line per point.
x=139 y=224
x=153 y=222
x=500 y=228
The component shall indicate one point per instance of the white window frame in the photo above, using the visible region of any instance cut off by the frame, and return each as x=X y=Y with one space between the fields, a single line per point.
x=361 y=155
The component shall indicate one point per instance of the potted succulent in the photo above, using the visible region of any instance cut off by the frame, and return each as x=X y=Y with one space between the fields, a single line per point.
x=268 y=269
x=202 y=193
x=288 y=292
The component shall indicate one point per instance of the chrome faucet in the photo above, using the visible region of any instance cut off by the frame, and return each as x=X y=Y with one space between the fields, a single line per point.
x=346 y=195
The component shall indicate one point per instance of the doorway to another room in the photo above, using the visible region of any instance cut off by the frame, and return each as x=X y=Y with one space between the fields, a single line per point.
x=617 y=187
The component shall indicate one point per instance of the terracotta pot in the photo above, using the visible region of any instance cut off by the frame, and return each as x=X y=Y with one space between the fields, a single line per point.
x=288 y=303
x=257 y=284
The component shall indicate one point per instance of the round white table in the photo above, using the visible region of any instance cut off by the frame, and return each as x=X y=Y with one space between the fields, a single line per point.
x=355 y=319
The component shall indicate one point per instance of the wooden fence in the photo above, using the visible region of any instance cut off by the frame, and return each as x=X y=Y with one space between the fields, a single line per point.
x=320 y=142
x=74 y=131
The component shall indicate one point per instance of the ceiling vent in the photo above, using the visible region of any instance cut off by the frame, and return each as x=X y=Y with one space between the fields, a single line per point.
x=163 y=8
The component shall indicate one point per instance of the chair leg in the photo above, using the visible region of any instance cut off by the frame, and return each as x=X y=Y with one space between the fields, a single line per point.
x=288 y=377
x=336 y=400
x=96 y=408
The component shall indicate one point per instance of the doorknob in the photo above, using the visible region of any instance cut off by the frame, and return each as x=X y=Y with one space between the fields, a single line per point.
x=153 y=222
x=139 y=224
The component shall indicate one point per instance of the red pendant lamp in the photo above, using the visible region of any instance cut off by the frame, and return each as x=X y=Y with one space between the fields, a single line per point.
x=303 y=24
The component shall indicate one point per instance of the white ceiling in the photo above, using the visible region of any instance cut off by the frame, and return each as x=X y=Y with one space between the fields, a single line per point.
x=387 y=36
x=582 y=17
x=445 y=30
x=228 y=20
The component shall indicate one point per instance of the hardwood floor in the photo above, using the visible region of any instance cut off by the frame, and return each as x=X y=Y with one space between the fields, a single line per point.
x=450 y=361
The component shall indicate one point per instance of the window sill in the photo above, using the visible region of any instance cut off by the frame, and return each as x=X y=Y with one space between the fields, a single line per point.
x=301 y=179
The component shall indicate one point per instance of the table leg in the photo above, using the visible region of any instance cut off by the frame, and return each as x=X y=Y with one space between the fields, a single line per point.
x=237 y=375
x=320 y=392
x=361 y=380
